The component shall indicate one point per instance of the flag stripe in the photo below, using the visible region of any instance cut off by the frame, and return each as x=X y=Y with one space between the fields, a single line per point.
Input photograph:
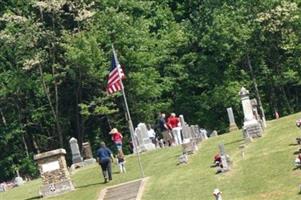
x=115 y=78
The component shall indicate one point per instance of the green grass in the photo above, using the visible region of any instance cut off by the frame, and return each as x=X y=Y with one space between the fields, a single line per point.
x=266 y=172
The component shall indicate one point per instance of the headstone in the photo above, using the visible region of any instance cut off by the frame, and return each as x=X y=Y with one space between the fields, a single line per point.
x=87 y=154
x=3 y=187
x=189 y=146
x=76 y=157
x=217 y=194
x=183 y=159
x=232 y=126
x=225 y=158
x=19 y=181
x=255 y=109
x=144 y=143
x=242 y=151
x=186 y=133
x=54 y=173
x=214 y=133
x=251 y=126
x=203 y=133
x=255 y=112
x=222 y=149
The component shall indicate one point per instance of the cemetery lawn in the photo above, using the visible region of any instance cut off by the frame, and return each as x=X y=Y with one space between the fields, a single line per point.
x=267 y=171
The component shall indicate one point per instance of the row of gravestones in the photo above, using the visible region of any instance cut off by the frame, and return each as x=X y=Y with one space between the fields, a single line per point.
x=252 y=128
x=192 y=136
x=54 y=171
x=189 y=133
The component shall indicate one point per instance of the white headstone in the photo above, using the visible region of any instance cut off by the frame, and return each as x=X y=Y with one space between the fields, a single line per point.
x=144 y=142
x=217 y=194
x=19 y=181
x=246 y=104
x=214 y=133
x=251 y=126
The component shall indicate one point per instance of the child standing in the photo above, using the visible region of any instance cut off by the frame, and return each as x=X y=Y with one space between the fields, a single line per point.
x=121 y=161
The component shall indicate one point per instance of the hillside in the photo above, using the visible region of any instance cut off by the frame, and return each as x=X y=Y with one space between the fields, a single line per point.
x=266 y=172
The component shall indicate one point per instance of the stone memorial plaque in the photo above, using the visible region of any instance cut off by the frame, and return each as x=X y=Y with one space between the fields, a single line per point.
x=51 y=166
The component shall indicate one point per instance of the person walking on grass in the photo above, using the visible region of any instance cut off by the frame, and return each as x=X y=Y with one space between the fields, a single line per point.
x=121 y=161
x=105 y=159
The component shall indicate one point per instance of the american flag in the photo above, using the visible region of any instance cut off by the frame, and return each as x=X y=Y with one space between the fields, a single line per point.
x=115 y=78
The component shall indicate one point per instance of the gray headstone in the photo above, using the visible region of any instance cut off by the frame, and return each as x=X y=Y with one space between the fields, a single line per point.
x=230 y=115
x=183 y=159
x=232 y=124
x=76 y=157
x=222 y=149
x=185 y=128
x=214 y=133
x=255 y=109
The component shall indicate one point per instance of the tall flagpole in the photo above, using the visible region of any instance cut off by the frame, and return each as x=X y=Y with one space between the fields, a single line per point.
x=128 y=114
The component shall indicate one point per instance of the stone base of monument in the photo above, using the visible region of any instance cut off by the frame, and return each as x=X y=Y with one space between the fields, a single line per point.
x=76 y=166
x=248 y=140
x=252 y=129
x=233 y=127
x=226 y=163
x=183 y=159
x=145 y=147
x=86 y=162
x=89 y=161
x=189 y=147
x=54 y=189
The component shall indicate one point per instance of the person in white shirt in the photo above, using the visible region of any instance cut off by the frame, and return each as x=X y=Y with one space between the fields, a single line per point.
x=151 y=134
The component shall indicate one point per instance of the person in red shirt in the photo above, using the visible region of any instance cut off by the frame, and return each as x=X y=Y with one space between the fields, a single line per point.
x=173 y=123
x=117 y=138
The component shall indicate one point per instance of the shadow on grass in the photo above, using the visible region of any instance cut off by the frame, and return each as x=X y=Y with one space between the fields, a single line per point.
x=36 y=197
x=89 y=185
x=235 y=141
x=293 y=144
x=297 y=152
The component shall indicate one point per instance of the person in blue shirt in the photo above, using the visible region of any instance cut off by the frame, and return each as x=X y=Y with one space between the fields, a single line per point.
x=105 y=159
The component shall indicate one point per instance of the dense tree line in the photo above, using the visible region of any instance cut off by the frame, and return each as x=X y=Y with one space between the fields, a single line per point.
x=189 y=57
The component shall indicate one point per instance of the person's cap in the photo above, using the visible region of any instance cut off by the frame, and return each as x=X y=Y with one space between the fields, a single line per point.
x=114 y=130
x=216 y=191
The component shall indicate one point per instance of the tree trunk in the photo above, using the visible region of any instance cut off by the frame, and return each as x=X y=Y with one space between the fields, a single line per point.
x=290 y=110
x=3 y=118
x=79 y=121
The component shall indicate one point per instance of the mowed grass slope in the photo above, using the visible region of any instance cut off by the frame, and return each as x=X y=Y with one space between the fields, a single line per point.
x=266 y=172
